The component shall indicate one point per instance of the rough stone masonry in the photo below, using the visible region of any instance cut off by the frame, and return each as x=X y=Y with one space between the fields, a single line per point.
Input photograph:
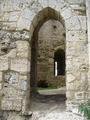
x=20 y=23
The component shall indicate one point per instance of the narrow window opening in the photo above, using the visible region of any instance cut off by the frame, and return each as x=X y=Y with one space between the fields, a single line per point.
x=59 y=62
x=56 y=68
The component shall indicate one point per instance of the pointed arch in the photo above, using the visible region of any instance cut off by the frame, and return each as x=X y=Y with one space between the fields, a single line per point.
x=61 y=12
x=44 y=15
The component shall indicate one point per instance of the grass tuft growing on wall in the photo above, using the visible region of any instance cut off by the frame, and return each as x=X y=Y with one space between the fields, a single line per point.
x=84 y=109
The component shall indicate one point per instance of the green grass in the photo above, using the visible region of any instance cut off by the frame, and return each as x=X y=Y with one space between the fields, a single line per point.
x=84 y=108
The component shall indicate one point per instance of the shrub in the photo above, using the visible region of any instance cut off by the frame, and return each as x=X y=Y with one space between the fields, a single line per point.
x=84 y=109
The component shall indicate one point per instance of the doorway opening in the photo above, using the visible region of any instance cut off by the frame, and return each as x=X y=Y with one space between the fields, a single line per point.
x=47 y=48
x=45 y=60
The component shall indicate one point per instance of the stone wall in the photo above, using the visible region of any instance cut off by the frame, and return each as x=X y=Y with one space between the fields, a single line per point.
x=18 y=21
x=51 y=37
x=88 y=27
x=14 y=72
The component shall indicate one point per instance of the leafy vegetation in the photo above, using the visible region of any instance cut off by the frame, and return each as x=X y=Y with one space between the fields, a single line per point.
x=84 y=109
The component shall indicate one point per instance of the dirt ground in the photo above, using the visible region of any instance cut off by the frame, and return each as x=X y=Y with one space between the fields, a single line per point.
x=48 y=105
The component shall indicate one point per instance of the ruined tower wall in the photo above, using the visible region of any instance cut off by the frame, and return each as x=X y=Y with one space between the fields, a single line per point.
x=18 y=20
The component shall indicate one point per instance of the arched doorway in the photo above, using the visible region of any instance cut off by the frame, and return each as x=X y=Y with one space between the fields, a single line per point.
x=44 y=42
x=49 y=36
x=34 y=17
x=72 y=26
x=48 y=46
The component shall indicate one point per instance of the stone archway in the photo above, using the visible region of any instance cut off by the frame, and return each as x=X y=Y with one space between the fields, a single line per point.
x=32 y=18
x=50 y=36
x=34 y=42
x=73 y=26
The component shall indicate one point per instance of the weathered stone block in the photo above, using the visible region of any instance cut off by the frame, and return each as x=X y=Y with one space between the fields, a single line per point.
x=9 y=91
x=23 y=23
x=45 y=3
x=81 y=95
x=14 y=15
x=23 y=85
x=76 y=35
x=0 y=86
x=67 y=13
x=9 y=25
x=70 y=95
x=22 y=49
x=70 y=78
x=70 y=86
x=5 y=17
x=11 y=77
x=79 y=9
x=11 y=104
x=20 y=65
x=73 y=23
x=1 y=76
x=24 y=77
x=4 y=63
x=83 y=22
x=76 y=1
x=72 y=67
x=12 y=53
x=52 y=3
x=13 y=116
x=28 y=14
